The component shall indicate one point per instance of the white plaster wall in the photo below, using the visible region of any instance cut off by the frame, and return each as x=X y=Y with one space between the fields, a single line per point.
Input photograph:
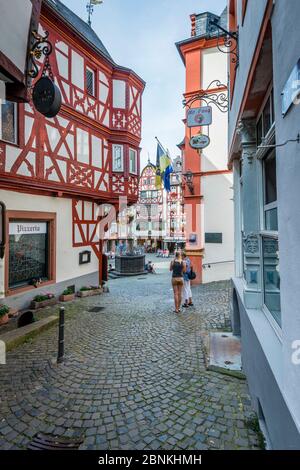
x=67 y=257
x=119 y=94
x=218 y=218
x=77 y=70
x=213 y=67
x=62 y=63
x=215 y=156
x=83 y=153
x=15 y=18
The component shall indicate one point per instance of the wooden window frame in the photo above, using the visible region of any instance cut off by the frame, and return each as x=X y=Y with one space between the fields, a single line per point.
x=134 y=172
x=91 y=69
x=50 y=218
x=16 y=125
x=121 y=170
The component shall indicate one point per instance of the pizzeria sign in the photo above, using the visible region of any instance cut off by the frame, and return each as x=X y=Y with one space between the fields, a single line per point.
x=27 y=228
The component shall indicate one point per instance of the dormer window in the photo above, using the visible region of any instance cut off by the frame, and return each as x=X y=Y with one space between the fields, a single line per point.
x=90 y=81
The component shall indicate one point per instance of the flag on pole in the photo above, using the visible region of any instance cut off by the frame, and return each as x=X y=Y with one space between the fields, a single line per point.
x=159 y=153
x=163 y=167
x=167 y=172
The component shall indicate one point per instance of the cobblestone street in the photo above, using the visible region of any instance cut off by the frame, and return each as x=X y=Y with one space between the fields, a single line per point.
x=133 y=377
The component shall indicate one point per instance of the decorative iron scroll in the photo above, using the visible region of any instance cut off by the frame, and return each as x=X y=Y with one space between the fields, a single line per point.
x=211 y=96
x=40 y=47
x=227 y=40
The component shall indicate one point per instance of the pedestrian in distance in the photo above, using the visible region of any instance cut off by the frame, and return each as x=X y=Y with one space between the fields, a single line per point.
x=187 y=292
x=177 y=267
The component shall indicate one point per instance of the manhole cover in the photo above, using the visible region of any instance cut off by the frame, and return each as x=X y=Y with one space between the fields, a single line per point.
x=50 y=442
x=96 y=309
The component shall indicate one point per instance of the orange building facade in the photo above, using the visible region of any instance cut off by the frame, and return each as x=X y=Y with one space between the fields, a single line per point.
x=209 y=237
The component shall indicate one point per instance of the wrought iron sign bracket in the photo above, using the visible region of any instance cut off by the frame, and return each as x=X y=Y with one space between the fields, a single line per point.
x=41 y=46
x=214 y=94
x=226 y=39
x=46 y=96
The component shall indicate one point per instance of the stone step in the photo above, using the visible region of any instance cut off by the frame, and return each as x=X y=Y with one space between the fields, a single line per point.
x=16 y=337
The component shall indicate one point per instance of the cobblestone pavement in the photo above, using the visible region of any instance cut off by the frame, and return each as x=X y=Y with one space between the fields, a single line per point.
x=133 y=376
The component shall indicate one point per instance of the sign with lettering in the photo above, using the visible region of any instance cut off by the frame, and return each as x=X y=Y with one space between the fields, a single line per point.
x=27 y=228
x=200 y=141
x=199 y=116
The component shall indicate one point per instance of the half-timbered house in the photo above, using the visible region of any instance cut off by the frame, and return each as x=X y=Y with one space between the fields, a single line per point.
x=150 y=210
x=55 y=173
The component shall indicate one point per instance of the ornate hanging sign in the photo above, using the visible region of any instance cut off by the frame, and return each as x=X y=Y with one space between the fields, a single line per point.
x=199 y=116
x=199 y=141
x=46 y=95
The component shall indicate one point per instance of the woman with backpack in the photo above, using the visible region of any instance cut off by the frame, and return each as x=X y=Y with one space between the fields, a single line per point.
x=177 y=267
x=188 y=275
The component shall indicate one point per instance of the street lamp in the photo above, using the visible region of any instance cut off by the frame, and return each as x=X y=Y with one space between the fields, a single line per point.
x=189 y=177
x=2 y=229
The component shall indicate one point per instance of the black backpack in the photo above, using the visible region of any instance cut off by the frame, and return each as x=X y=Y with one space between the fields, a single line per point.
x=192 y=275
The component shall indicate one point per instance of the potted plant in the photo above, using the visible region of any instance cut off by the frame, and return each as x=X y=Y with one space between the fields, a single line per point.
x=67 y=295
x=43 y=300
x=4 y=311
x=87 y=291
x=13 y=312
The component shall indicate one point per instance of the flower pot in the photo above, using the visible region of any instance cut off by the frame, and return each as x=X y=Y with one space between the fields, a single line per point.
x=67 y=298
x=4 y=319
x=89 y=293
x=43 y=303
x=13 y=312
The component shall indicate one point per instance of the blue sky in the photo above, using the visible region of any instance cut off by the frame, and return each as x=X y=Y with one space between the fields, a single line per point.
x=141 y=34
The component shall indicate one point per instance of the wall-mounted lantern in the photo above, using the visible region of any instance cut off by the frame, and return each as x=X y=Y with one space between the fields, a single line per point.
x=2 y=229
x=189 y=180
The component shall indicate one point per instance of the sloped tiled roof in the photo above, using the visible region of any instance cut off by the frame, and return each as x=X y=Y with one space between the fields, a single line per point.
x=80 y=26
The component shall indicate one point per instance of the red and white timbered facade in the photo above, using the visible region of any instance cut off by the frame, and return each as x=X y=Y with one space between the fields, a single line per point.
x=88 y=154
x=159 y=214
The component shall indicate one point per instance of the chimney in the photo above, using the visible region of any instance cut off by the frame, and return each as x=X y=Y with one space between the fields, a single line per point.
x=193 y=24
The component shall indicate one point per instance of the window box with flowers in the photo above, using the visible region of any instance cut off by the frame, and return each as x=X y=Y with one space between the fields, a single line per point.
x=43 y=300
x=4 y=311
x=88 y=291
x=67 y=295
